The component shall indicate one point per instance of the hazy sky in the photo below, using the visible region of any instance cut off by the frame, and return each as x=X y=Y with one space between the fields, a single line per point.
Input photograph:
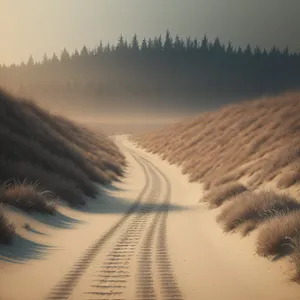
x=38 y=26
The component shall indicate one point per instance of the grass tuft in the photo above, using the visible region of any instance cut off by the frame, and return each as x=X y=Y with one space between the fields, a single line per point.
x=256 y=207
x=223 y=193
x=7 y=230
x=28 y=197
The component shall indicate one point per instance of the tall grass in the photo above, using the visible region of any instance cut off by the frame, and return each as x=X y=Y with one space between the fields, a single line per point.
x=223 y=193
x=262 y=135
x=256 y=142
x=274 y=236
x=295 y=256
x=7 y=230
x=43 y=155
x=63 y=157
x=256 y=207
x=28 y=197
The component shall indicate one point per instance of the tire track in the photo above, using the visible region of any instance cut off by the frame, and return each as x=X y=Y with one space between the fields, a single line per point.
x=65 y=287
x=118 y=260
x=169 y=287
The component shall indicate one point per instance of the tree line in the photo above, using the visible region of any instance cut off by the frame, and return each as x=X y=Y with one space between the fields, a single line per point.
x=158 y=67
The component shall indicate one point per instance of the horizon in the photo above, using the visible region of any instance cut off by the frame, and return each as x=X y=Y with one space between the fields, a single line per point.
x=140 y=39
x=77 y=24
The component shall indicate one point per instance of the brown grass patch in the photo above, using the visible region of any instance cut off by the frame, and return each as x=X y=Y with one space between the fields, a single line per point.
x=275 y=234
x=28 y=197
x=263 y=134
x=223 y=193
x=295 y=256
x=256 y=207
x=288 y=179
x=7 y=230
x=63 y=157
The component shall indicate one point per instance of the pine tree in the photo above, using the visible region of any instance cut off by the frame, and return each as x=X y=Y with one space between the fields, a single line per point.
x=65 y=56
x=189 y=43
x=30 y=62
x=45 y=59
x=144 y=46
x=204 y=44
x=54 y=59
x=121 y=44
x=158 y=46
x=75 y=55
x=135 y=44
x=229 y=49
x=107 y=48
x=257 y=52
x=195 y=44
x=150 y=44
x=248 y=51
x=286 y=52
x=168 y=44
x=84 y=52
x=100 y=48
x=217 y=47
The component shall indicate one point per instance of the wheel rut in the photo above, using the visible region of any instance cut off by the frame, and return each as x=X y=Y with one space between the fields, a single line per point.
x=168 y=284
x=65 y=287
x=141 y=235
x=117 y=263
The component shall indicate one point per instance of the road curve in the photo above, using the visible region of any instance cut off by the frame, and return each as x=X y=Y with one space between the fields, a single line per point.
x=139 y=239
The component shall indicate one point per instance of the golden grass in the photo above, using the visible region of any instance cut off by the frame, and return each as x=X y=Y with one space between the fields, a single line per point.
x=41 y=152
x=254 y=142
x=275 y=234
x=33 y=139
x=28 y=197
x=255 y=206
x=63 y=187
x=223 y=193
x=295 y=257
x=212 y=147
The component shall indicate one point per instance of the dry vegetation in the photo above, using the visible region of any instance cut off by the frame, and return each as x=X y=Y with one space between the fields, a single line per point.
x=259 y=138
x=44 y=157
x=7 y=230
x=224 y=192
x=256 y=143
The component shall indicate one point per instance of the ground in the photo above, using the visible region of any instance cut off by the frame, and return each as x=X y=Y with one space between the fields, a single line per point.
x=147 y=237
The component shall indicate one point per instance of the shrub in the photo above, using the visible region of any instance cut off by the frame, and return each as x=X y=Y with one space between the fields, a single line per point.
x=7 y=230
x=275 y=234
x=28 y=197
x=255 y=206
x=224 y=192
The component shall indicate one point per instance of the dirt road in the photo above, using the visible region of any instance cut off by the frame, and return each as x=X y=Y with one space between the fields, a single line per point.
x=153 y=241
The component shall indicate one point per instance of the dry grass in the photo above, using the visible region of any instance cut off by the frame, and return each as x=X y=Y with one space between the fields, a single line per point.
x=262 y=135
x=255 y=142
x=223 y=193
x=28 y=197
x=55 y=154
x=63 y=187
x=65 y=158
x=7 y=230
x=295 y=257
x=256 y=207
x=275 y=234
x=289 y=178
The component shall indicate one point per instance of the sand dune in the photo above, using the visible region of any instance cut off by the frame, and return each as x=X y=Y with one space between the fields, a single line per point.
x=168 y=245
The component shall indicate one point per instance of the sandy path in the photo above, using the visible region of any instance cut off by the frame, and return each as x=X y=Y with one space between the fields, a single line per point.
x=150 y=239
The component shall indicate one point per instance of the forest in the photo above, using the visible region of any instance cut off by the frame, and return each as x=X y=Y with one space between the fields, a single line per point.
x=169 y=68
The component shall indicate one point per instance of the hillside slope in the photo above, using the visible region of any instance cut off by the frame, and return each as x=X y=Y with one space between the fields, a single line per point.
x=44 y=157
x=248 y=158
x=258 y=138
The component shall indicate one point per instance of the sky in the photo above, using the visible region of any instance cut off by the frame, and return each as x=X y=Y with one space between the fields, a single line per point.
x=39 y=26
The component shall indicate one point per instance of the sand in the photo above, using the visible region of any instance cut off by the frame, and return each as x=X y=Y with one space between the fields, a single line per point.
x=168 y=247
